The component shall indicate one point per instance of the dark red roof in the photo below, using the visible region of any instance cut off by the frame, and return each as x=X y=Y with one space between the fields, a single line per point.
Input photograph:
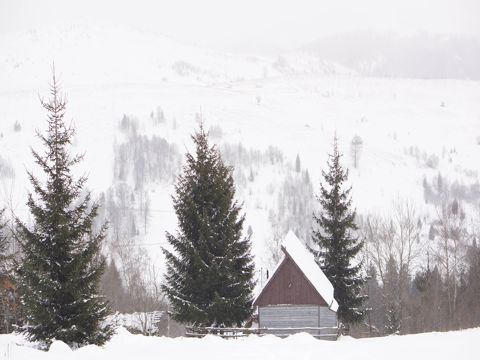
x=289 y=285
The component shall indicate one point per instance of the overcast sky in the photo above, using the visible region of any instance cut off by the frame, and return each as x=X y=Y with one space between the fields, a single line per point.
x=250 y=24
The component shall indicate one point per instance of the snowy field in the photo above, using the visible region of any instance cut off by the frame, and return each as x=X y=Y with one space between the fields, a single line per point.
x=123 y=346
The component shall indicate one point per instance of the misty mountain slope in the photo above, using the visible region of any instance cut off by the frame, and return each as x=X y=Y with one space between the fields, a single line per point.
x=411 y=129
x=111 y=56
x=419 y=55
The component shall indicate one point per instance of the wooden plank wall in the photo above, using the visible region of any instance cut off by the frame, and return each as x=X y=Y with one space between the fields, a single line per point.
x=297 y=316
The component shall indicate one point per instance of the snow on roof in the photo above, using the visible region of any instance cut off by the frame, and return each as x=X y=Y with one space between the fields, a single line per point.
x=306 y=262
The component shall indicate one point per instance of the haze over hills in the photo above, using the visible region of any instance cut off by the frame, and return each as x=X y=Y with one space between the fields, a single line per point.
x=418 y=55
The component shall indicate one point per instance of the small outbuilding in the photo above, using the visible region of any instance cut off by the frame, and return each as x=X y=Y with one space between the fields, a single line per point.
x=298 y=297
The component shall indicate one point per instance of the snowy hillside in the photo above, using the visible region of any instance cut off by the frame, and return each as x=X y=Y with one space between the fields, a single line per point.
x=114 y=56
x=451 y=345
x=274 y=107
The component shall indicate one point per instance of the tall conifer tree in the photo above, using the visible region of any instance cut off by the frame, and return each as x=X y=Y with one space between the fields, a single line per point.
x=59 y=274
x=337 y=245
x=209 y=278
x=112 y=287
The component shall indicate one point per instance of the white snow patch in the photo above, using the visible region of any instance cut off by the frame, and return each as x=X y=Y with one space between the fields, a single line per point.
x=125 y=346
x=59 y=347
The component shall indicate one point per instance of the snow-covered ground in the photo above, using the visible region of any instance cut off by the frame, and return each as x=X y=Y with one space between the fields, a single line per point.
x=125 y=346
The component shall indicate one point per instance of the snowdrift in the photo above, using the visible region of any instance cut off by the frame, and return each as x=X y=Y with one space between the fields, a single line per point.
x=451 y=345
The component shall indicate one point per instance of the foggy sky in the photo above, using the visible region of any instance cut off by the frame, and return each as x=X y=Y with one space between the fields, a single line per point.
x=250 y=25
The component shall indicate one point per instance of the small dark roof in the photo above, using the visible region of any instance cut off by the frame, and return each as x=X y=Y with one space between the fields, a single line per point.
x=303 y=259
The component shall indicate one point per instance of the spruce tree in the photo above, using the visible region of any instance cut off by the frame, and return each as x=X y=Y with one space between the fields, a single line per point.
x=112 y=288
x=59 y=273
x=337 y=245
x=374 y=300
x=393 y=316
x=473 y=289
x=297 y=164
x=209 y=278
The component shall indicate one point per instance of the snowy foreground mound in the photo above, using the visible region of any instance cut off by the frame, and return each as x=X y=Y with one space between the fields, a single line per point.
x=451 y=345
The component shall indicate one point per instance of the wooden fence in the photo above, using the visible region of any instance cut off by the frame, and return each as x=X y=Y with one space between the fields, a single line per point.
x=330 y=333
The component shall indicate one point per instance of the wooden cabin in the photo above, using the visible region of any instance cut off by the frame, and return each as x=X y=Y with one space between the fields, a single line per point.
x=298 y=297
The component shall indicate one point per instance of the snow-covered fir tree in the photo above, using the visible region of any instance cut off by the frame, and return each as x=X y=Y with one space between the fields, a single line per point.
x=209 y=278
x=298 y=166
x=59 y=273
x=472 y=293
x=337 y=244
x=391 y=294
x=112 y=287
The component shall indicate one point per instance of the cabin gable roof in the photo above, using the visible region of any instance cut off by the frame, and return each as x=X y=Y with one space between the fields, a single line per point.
x=297 y=280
